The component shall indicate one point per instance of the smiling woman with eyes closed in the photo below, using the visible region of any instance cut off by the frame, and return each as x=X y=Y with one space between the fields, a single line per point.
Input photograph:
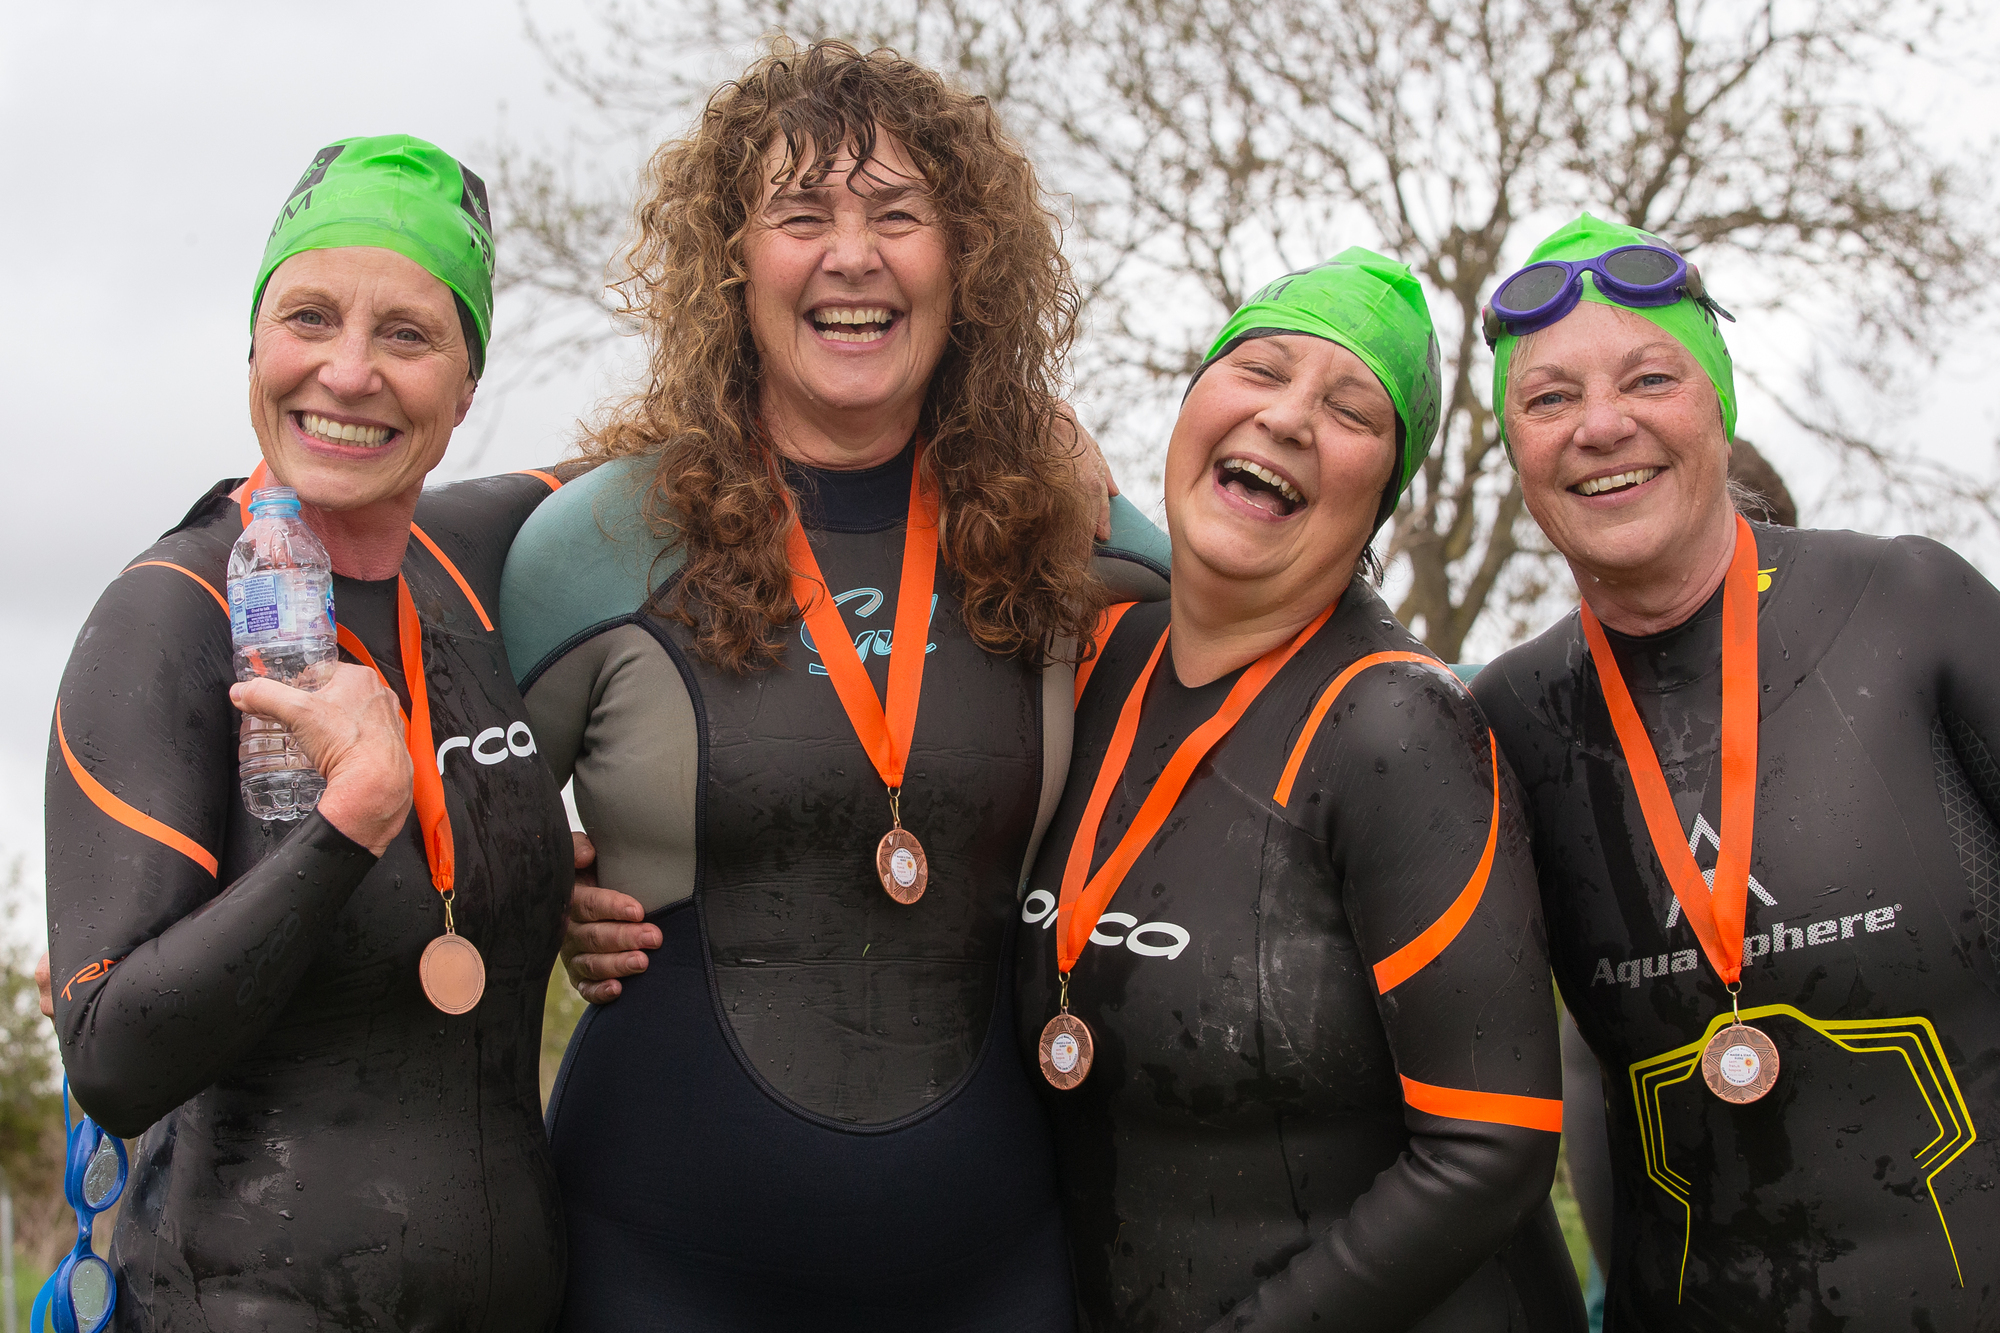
x=1282 y=965
x=320 y=1145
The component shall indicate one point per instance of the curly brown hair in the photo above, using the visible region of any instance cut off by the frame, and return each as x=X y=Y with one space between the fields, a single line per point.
x=1016 y=517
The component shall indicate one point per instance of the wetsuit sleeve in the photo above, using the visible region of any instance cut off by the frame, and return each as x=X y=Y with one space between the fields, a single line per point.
x=164 y=976
x=1927 y=593
x=1431 y=855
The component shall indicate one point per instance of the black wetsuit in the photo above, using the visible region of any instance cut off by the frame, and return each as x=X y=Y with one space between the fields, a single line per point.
x=1855 y=1194
x=806 y=1113
x=1278 y=984
x=322 y=1148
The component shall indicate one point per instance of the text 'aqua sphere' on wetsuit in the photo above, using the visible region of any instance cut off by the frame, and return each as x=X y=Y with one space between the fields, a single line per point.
x=806 y=1111
x=1326 y=1088
x=1859 y=1194
x=244 y=995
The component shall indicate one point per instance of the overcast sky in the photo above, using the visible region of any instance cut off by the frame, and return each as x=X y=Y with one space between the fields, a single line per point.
x=148 y=147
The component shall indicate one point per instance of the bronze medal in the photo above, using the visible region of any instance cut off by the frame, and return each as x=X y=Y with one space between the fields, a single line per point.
x=900 y=861
x=452 y=972
x=1739 y=1064
x=1066 y=1051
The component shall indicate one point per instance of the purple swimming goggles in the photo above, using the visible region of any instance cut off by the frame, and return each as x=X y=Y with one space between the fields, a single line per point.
x=1632 y=275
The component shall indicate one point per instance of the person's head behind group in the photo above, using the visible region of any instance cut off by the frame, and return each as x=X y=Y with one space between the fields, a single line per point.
x=818 y=193
x=370 y=318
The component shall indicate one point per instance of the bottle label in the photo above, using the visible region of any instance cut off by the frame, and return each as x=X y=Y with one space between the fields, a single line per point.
x=268 y=603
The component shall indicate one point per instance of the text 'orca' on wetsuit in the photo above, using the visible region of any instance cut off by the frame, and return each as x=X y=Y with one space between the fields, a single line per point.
x=805 y=1113
x=317 y=1137
x=1326 y=1083
x=1860 y=1189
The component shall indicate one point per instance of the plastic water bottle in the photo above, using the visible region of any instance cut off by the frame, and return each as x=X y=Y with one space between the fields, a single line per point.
x=281 y=621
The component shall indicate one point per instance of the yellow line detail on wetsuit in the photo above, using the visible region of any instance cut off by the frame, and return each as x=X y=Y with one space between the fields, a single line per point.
x=1912 y=1038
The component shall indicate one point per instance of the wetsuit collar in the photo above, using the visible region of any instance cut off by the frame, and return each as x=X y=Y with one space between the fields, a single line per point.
x=868 y=499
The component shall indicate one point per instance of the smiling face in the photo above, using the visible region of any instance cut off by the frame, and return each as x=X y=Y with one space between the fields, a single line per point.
x=850 y=303
x=358 y=374
x=1275 y=472
x=1618 y=435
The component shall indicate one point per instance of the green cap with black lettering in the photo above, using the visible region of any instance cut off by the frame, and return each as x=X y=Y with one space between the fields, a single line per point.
x=399 y=193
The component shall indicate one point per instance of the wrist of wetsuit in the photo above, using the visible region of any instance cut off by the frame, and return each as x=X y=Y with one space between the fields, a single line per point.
x=181 y=1008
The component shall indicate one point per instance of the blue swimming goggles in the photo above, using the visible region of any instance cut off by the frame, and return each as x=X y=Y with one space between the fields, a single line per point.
x=1639 y=276
x=80 y=1294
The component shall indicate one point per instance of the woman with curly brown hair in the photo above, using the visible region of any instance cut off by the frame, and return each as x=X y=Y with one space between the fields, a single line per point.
x=801 y=643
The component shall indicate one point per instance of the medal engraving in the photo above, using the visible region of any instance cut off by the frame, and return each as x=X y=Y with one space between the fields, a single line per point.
x=900 y=861
x=453 y=974
x=1739 y=1064
x=1066 y=1051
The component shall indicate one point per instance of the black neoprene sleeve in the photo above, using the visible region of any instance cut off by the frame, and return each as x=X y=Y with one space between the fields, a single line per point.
x=162 y=982
x=1476 y=1017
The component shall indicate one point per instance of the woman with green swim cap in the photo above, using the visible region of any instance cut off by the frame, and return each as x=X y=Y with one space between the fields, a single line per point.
x=1759 y=769
x=322 y=1144
x=1281 y=966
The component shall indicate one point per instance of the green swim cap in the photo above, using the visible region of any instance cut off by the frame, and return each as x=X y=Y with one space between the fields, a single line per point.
x=1686 y=321
x=1375 y=308
x=401 y=194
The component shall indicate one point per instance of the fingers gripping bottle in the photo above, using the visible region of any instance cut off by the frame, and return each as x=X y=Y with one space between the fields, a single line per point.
x=281 y=621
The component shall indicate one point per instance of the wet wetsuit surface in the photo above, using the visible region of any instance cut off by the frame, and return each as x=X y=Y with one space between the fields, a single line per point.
x=322 y=1148
x=1326 y=1081
x=806 y=1112
x=1858 y=1191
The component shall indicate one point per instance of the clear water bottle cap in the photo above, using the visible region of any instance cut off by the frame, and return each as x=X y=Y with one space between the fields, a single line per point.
x=274 y=501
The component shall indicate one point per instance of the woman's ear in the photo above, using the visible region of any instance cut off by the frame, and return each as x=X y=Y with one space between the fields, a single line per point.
x=465 y=398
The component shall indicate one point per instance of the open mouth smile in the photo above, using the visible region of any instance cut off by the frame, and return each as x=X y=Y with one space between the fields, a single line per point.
x=342 y=434
x=853 y=324
x=1623 y=481
x=1259 y=486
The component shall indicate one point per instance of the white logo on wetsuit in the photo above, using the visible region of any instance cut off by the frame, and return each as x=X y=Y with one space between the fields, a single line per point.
x=492 y=745
x=877 y=641
x=1148 y=939
x=1704 y=832
x=1778 y=939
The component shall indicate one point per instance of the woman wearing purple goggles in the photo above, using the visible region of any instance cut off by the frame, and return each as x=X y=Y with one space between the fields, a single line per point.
x=1631 y=275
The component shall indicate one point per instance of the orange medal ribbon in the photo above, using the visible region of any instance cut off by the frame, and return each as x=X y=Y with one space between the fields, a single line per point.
x=1083 y=903
x=452 y=973
x=884 y=732
x=1717 y=915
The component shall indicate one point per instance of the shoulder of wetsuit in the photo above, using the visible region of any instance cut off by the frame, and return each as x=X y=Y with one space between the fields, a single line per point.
x=585 y=559
x=1386 y=707
x=1519 y=689
x=214 y=504
x=1135 y=563
x=474 y=523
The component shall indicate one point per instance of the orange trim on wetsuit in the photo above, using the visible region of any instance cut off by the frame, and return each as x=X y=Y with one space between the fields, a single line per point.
x=548 y=479
x=1283 y=794
x=1494 y=1108
x=207 y=587
x=134 y=819
x=456 y=577
x=1407 y=961
x=1105 y=624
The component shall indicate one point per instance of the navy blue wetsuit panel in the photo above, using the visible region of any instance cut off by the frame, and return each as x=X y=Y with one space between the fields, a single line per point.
x=940 y=1222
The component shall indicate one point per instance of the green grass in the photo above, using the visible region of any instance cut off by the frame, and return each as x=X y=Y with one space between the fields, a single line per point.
x=28 y=1279
x=1571 y=1218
